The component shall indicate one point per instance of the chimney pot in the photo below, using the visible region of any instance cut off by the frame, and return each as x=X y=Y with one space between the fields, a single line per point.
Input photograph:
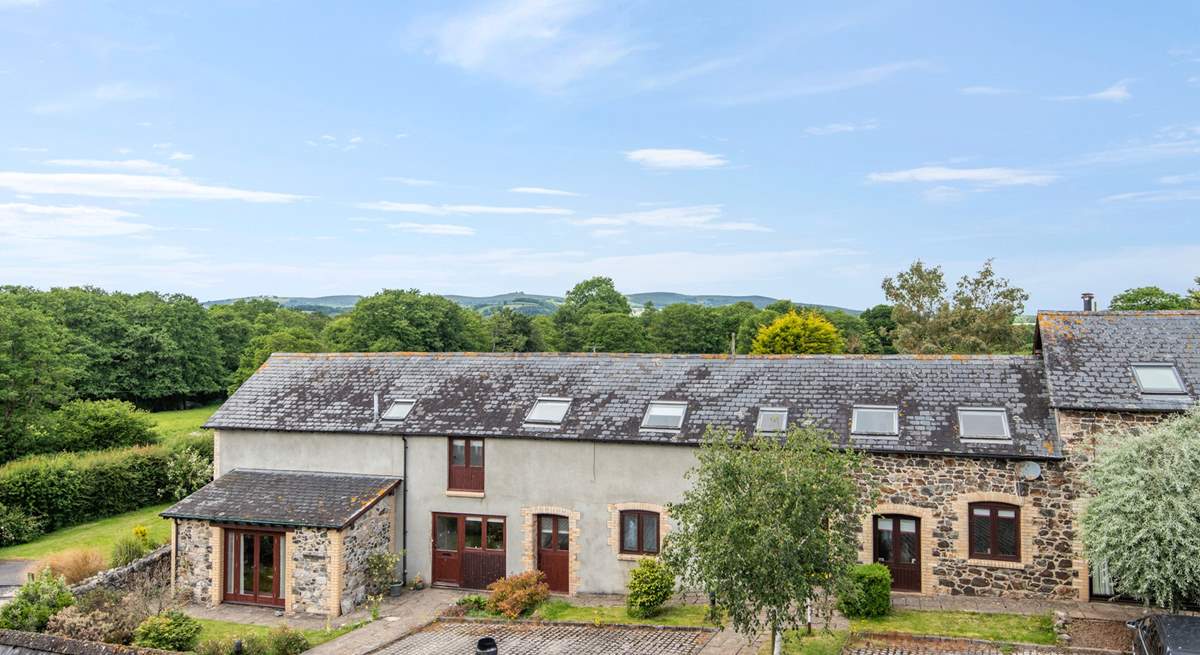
x=1089 y=302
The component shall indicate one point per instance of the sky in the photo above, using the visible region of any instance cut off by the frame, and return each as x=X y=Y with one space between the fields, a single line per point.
x=796 y=150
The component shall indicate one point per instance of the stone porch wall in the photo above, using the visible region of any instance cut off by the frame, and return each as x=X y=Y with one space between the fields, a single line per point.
x=309 y=574
x=370 y=533
x=194 y=561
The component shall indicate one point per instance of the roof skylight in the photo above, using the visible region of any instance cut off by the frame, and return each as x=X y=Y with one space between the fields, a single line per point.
x=875 y=420
x=550 y=411
x=771 y=419
x=664 y=415
x=398 y=410
x=983 y=423
x=1158 y=378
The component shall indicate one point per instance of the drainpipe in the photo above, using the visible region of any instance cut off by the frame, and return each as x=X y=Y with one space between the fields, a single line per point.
x=404 y=519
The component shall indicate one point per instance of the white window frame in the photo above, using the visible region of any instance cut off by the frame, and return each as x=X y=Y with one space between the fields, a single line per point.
x=989 y=410
x=1181 y=391
x=894 y=434
x=548 y=399
x=655 y=428
x=399 y=401
x=758 y=427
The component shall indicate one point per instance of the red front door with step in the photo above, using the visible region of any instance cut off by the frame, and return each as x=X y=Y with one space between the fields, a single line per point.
x=898 y=547
x=554 y=551
x=447 y=548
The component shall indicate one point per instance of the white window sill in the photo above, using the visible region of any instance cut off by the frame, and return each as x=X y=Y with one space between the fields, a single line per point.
x=464 y=494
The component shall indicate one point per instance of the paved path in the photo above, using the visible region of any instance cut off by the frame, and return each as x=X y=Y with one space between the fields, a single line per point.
x=13 y=573
x=549 y=639
x=399 y=616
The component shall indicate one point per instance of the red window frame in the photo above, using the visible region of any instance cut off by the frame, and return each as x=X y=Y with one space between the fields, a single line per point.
x=642 y=517
x=993 y=527
x=469 y=475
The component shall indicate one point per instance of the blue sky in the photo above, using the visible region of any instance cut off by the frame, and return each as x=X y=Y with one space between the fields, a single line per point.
x=236 y=148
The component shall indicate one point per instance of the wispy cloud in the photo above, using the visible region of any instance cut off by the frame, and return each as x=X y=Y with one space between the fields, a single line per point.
x=841 y=128
x=28 y=149
x=689 y=72
x=1118 y=92
x=826 y=83
x=410 y=181
x=542 y=191
x=983 y=90
x=449 y=210
x=1169 y=142
x=101 y=95
x=982 y=176
x=181 y=156
x=1165 y=195
x=28 y=221
x=126 y=165
x=675 y=158
x=436 y=229
x=698 y=217
x=145 y=187
x=332 y=142
x=537 y=43
x=1179 y=179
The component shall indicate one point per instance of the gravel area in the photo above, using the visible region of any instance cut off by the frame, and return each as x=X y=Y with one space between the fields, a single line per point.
x=446 y=637
x=1094 y=633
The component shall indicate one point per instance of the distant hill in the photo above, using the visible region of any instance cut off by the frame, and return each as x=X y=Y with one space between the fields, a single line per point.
x=525 y=303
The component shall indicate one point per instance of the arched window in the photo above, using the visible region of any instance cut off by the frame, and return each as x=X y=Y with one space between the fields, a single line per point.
x=994 y=531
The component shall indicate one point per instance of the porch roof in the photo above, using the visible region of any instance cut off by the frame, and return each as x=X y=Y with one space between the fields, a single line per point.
x=285 y=498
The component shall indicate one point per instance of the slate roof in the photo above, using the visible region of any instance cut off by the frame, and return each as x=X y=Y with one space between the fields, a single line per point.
x=1089 y=357
x=489 y=395
x=293 y=498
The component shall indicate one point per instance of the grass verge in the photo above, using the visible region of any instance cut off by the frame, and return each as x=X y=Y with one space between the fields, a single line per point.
x=1024 y=628
x=173 y=425
x=214 y=629
x=100 y=534
x=677 y=615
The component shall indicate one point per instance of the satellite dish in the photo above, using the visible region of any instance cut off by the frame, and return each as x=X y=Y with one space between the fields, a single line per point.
x=1029 y=470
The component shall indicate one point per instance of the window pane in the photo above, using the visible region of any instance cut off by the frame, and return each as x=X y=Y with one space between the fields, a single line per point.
x=981 y=531
x=650 y=533
x=495 y=534
x=908 y=548
x=908 y=525
x=885 y=525
x=629 y=535
x=230 y=560
x=664 y=415
x=548 y=411
x=476 y=453
x=546 y=532
x=874 y=421
x=281 y=564
x=771 y=420
x=447 y=533
x=473 y=532
x=564 y=539
x=266 y=565
x=247 y=581
x=458 y=452
x=398 y=410
x=1006 y=537
x=1160 y=379
x=1006 y=513
x=982 y=424
x=884 y=544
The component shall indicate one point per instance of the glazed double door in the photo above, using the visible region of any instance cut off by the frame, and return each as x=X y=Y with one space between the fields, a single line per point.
x=898 y=546
x=254 y=567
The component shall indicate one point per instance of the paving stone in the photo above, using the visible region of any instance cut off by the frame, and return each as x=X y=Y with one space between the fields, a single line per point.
x=549 y=639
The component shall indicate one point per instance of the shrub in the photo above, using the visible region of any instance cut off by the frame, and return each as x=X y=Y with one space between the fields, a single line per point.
x=99 y=615
x=172 y=630
x=473 y=603
x=253 y=644
x=201 y=442
x=187 y=471
x=128 y=549
x=870 y=592
x=17 y=527
x=518 y=594
x=93 y=425
x=286 y=641
x=651 y=584
x=381 y=571
x=75 y=564
x=36 y=601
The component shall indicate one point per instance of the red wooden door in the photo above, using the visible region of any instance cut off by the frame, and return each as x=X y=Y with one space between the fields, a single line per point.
x=898 y=547
x=554 y=551
x=447 y=548
x=254 y=567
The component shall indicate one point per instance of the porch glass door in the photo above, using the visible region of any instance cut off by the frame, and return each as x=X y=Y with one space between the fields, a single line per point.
x=254 y=567
x=898 y=547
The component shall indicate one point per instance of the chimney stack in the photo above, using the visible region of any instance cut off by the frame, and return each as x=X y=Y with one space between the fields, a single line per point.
x=1089 y=302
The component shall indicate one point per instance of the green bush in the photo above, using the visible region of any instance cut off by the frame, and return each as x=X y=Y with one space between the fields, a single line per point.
x=187 y=471
x=128 y=549
x=381 y=571
x=17 y=527
x=517 y=594
x=36 y=601
x=171 y=630
x=870 y=592
x=473 y=603
x=286 y=641
x=253 y=644
x=651 y=584
x=99 y=615
x=201 y=443
x=82 y=425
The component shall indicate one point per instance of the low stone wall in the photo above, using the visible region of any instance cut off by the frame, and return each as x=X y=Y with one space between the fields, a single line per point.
x=153 y=570
x=13 y=641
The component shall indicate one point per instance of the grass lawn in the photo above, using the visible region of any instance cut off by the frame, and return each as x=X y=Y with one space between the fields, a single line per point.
x=820 y=643
x=100 y=534
x=213 y=629
x=171 y=425
x=1025 y=628
x=561 y=610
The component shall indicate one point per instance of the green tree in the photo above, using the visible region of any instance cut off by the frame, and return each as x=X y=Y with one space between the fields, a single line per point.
x=290 y=340
x=593 y=296
x=1194 y=294
x=879 y=320
x=36 y=370
x=395 y=320
x=687 y=328
x=794 y=334
x=615 y=333
x=856 y=333
x=513 y=332
x=769 y=526
x=977 y=318
x=1148 y=299
x=1144 y=517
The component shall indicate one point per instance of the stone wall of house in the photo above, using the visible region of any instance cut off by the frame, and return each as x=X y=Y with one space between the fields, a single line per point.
x=309 y=577
x=370 y=533
x=194 y=560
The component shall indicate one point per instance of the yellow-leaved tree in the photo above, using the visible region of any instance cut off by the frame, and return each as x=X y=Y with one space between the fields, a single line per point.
x=798 y=333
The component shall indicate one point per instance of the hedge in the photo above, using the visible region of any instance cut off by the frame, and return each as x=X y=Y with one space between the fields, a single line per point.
x=870 y=594
x=70 y=488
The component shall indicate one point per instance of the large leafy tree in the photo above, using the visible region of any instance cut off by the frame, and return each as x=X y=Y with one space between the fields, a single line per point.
x=615 y=333
x=589 y=298
x=289 y=340
x=769 y=526
x=1194 y=294
x=1143 y=520
x=686 y=328
x=879 y=320
x=1148 y=299
x=396 y=320
x=856 y=333
x=513 y=332
x=977 y=318
x=798 y=333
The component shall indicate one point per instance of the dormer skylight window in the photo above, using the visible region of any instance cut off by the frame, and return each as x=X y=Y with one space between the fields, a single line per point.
x=664 y=415
x=875 y=421
x=1158 y=378
x=548 y=411
x=398 y=410
x=983 y=423
x=771 y=419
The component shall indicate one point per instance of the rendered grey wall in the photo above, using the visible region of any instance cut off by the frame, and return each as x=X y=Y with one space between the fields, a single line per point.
x=310 y=451
x=581 y=477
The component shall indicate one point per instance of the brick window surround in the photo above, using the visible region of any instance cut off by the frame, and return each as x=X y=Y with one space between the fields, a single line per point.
x=529 y=552
x=866 y=545
x=962 y=545
x=614 y=527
